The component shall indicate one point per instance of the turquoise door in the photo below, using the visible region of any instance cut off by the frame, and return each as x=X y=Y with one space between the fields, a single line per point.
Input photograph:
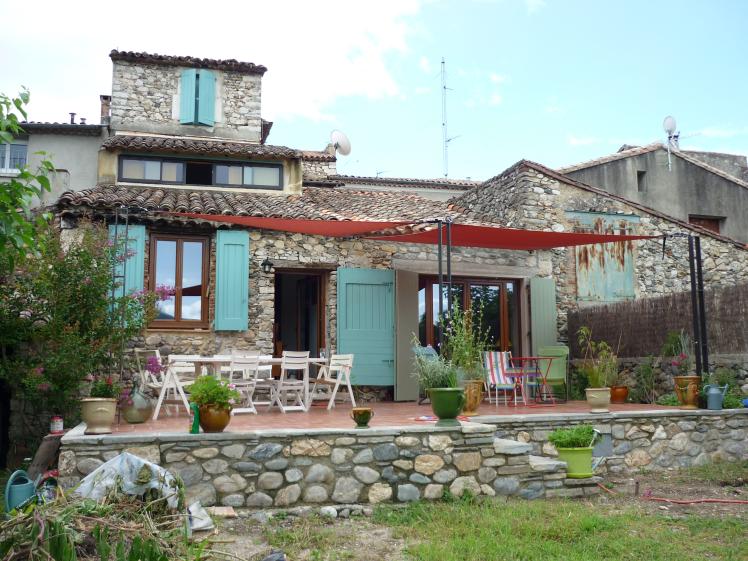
x=366 y=324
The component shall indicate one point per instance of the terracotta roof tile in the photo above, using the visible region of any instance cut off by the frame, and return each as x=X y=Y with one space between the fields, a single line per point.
x=77 y=129
x=318 y=156
x=440 y=183
x=192 y=62
x=313 y=203
x=191 y=145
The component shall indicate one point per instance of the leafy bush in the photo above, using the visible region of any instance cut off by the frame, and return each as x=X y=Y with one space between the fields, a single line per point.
x=580 y=436
x=668 y=399
x=207 y=390
x=465 y=339
x=600 y=364
x=733 y=401
x=104 y=386
x=435 y=372
x=643 y=391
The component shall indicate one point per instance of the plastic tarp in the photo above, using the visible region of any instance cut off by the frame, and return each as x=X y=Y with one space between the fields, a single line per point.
x=132 y=476
x=466 y=235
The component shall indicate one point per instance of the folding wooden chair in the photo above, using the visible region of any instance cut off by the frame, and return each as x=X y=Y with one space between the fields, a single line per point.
x=286 y=388
x=498 y=376
x=243 y=373
x=340 y=366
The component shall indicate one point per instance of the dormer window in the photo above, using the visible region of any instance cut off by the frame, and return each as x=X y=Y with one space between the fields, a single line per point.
x=197 y=98
x=144 y=169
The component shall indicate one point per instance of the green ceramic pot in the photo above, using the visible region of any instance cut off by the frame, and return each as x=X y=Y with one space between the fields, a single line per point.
x=447 y=403
x=578 y=462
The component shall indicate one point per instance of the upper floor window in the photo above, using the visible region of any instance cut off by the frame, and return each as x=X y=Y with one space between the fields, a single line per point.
x=713 y=223
x=200 y=172
x=197 y=99
x=12 y=156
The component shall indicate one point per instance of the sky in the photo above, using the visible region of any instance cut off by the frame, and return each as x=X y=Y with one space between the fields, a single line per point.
x=554 y=81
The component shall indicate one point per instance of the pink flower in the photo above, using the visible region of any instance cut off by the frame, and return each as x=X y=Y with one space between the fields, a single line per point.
x=43 y=387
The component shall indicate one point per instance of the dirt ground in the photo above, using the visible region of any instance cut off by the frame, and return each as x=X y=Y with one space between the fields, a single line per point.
x=359 y=539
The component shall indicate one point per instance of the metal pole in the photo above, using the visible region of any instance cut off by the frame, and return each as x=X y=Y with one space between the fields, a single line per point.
x=124 y=283
x=449 y=268
x=441 y=283
x=702 y=308
x=694 y=304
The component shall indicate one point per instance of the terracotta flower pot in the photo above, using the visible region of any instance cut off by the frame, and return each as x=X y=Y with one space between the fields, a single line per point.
x=687 y=390
x=619 y=394
x=446 y=403
x=598 y=399
x=473 y=397
x=98 y=414
x=214 y=419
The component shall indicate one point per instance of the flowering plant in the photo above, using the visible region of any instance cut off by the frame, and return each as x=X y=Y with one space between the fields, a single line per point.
x=206 y=390
x=104 y=386
x=153 y=365
x=682 y=363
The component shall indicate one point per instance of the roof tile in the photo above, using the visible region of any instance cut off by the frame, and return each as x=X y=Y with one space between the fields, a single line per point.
x=192 y=62
x=187 y=145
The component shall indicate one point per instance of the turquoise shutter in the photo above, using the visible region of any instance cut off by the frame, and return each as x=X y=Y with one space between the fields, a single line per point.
x=232 y=280
x=133 y=268
x=206 y=106
x=542 y=313
x=366 y=324
x=187 y=96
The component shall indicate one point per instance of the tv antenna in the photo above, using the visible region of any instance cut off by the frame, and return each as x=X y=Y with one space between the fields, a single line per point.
x=669 y=126
x=340 y=142
x=445 y=135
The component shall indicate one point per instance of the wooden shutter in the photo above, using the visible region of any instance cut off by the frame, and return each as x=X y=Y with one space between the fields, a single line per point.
x=543 y=313
x=187 y=96
x=366 y=324
x=206 y=107
x=133 y=268
x=232 y=280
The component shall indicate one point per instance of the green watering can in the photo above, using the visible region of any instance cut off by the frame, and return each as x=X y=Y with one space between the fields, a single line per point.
x=19 y=489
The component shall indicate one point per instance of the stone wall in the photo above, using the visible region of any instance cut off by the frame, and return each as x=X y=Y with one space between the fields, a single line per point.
x=145 y=97
x=315 y=169
x=284 y=468
x=633 y=440
x=523 y=197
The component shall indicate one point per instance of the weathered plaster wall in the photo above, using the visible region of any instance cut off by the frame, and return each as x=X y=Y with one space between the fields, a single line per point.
x=145 y=98
x=526 y=198
x=284 y=468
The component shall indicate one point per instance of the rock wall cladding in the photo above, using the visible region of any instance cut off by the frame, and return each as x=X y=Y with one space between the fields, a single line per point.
x=338 y=467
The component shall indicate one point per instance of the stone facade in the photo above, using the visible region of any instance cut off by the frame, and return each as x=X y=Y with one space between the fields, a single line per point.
x=654 y=440
x=145 y=98
x=282 y=469
x=317 y=169
x=525 y=197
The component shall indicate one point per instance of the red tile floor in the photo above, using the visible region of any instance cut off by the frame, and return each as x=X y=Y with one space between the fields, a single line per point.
x=386 y=414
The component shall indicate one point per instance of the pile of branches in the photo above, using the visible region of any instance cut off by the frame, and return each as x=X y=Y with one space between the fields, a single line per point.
x=117 y=528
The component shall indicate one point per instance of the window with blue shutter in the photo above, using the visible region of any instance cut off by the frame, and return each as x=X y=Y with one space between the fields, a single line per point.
x=187 y=96
x=131 y=257
x=232 y=280
x=197 y=98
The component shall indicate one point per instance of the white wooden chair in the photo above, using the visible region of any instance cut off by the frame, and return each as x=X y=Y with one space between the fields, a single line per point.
x=243 y=373
x=286 y=389
x=332 y=375
x=180 y=373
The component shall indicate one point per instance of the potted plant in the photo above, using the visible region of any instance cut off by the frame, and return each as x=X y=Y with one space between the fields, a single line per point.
x=214 y=399
x=99 y=408
x=465 y=339
x=619 y=391
x=600 y=365
x=686 y=383
x=439 y=379
x=574 y=446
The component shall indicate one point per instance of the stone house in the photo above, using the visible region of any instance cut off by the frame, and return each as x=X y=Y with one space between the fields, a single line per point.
x=704 y=188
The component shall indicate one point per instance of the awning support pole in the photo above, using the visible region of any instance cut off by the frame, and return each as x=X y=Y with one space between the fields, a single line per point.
x=441 y=286
x=694 y=303
x=449 y=268
x=702 y=308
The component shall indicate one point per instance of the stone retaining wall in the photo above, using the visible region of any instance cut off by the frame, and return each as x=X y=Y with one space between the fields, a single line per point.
x=652 y=439
x=286 y=468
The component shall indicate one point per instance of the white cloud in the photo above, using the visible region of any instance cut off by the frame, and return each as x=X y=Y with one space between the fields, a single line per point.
x=533 y=6
x=497 y=78
x=582 y=141
x=495 y=99
x=719 y=132
x=552 y=105
x=315 y=53
x=425 y=65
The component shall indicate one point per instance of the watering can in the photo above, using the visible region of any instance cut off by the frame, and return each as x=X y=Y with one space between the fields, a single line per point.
x=714 y=396
x=19 y=489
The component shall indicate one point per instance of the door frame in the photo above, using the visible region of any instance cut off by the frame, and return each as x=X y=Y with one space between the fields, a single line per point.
x=323 y=276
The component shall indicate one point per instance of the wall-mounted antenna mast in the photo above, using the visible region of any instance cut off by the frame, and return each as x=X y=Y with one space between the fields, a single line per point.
x=445 y=138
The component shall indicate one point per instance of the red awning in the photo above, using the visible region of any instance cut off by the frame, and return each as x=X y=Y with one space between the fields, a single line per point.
x=490 y=237
x=509 y=238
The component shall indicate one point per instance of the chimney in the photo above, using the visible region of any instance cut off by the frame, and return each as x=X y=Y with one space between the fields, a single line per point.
x=106 y=104
x=82 y=120
x=72 y=118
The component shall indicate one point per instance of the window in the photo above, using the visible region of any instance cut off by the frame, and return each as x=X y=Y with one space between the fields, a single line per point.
x=200 y=172
x=12 y=156
x=498 y=300
x=641 y=181
x=197 y=99
x=711 y=223
x=180 y=263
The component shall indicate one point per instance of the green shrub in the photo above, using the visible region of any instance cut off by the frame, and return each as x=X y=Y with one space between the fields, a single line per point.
x=668 y=399
x=733 y=401
x=206 y=390
x=435 y=372
x=581 y=436
x=643 y=392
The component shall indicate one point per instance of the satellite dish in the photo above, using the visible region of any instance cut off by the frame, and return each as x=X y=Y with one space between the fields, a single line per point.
x=669 y=125
x=340 y=142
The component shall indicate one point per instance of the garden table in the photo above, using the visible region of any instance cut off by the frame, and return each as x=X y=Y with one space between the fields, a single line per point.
x=524 y=368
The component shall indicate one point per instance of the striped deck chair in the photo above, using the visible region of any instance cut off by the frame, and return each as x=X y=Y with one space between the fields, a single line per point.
x=498 y=376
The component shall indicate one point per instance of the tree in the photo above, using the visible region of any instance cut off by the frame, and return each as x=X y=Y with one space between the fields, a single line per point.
x=17 y=221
